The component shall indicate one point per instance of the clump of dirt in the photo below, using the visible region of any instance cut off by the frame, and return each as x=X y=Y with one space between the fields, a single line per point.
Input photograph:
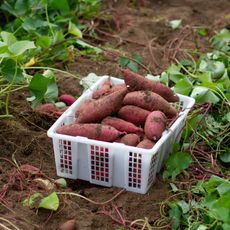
x=23 y=138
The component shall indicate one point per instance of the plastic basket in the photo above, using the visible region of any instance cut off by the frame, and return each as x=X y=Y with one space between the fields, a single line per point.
x=112 y=164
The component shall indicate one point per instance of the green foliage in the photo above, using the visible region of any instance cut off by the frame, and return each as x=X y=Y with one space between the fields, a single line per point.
x=43 y=88
x=221 y=41
x=208 y=207
x=53 y=25
x=206 y=204
x=37 y=200
x=176 y=163
x=132 y=64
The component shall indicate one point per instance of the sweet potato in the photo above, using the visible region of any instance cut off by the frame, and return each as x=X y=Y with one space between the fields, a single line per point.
x=149 y=101
x=96 y=110
x=121 y=125
x=131 y=139
x=105 y=88
x=133 y=114
x=91 y=130
x=46 y=108
x=155 y=125
x=146 y=144
x=114 y=88
x=138 y=82
x=67 y=99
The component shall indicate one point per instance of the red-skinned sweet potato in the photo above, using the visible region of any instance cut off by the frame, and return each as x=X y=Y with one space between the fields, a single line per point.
x=149 y=101
x=96 y=110
x=138 y=82
x=105 y=88
x=133 y=114
x=67 y=99
x=92 y=131
x=130 y=139
x=155 y=125
x=146 y=144
x=121 y=125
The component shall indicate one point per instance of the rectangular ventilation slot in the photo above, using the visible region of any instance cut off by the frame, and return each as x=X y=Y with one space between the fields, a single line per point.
x=99 y=157
x=134 y=170
x=152 y=169
x=66 y=164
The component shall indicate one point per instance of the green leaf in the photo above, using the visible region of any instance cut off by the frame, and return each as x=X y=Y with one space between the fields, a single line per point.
x=38 y=85
x=225 y=226
x=72 y=29
x=183 y=205
x=58 y=36
x=174 y=73
x=174 y=187
x=20 y=47
x=35 y=22
x=174 y=24
x=137 y=58
x=202 y=227
x=203 y=94
x=50 y=202
x=8 y=38
x=202 y=31
x=205 y=77
x=221 y=208
x=44 y=88
x=51 y=93
x=212 y=184
x=221 y=40
x=44 y=41
x=225 y=157
x=11 y=72
x=61 y=182
x=133 y=66
x=223 y=188
x=175 y=215
x=164 y=78
x=123 y=61
x=33 y=200
x=186 y=62
x=85 y=45
x=183 y=86
x=21 y=7
x=176 y=163
x=216 y=68
x=61 y=5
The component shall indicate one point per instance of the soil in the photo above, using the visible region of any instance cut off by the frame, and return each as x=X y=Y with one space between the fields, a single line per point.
x=23 y=138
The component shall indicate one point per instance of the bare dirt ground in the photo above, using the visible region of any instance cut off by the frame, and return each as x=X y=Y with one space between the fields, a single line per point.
x=141 y=29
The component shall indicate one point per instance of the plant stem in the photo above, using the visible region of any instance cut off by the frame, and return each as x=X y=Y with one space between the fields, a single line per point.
x=54 y=69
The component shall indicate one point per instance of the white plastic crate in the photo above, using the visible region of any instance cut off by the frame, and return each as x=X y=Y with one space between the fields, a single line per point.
x=112 y=164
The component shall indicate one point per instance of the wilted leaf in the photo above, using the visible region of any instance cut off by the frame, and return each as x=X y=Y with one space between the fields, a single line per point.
x=174 y=24
x=33 y=200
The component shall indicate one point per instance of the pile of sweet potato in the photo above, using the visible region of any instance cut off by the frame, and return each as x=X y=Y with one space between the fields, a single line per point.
x=134 y=113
